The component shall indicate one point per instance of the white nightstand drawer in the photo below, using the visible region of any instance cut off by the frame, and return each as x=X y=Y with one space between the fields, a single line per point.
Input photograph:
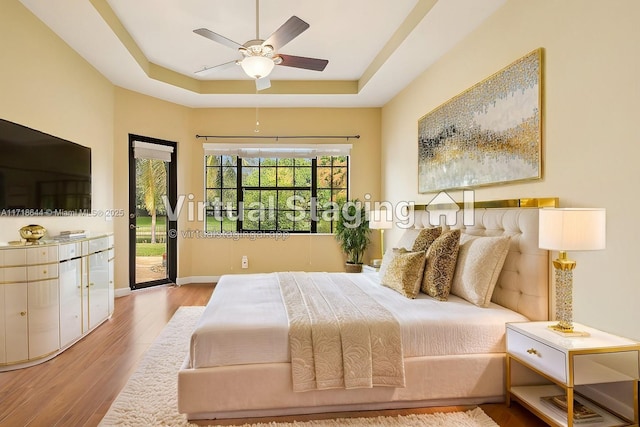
x=538 y=355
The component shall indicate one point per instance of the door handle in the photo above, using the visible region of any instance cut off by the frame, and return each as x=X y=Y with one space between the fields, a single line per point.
x=133 y=227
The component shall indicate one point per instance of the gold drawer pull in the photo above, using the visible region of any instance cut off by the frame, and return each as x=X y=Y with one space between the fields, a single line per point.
x=532 y=351
x=23 y=313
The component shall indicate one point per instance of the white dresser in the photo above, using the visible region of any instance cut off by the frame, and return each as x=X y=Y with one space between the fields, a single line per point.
x=51 y=295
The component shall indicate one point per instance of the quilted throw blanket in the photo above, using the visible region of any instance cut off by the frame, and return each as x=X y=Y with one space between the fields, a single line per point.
x=339 y=336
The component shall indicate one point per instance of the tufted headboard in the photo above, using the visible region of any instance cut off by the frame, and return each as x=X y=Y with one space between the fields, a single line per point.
x=523 y=285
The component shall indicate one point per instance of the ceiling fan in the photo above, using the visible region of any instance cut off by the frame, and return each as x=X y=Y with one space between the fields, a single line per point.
x=260 y=56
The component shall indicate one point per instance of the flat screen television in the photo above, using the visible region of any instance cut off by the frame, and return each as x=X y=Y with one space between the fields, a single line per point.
x=41 y=174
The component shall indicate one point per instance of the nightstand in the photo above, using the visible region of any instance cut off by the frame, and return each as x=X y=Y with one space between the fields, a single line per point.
x=599 y=371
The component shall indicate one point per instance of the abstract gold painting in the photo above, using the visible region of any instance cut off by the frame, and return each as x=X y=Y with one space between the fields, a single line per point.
x=489 y=134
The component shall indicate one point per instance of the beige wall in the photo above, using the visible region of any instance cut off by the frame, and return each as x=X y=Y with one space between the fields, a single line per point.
x=213 y=257
x=204 y=259
x=47 y=86
x=591 y=140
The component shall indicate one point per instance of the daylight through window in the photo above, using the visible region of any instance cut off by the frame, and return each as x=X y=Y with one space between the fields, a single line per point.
x=299 y=193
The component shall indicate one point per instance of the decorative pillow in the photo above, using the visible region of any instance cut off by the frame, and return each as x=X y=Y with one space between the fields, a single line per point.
x=480 y=260
x=386 y=260
x=418 y=239
x=404 y=273
x=441 y=265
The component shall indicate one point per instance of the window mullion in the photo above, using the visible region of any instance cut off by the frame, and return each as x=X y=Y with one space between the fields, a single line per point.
x=239 y=195
x=348 y=172
x=314 y=194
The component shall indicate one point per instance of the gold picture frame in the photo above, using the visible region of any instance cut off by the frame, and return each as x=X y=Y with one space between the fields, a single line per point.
x=489 y=134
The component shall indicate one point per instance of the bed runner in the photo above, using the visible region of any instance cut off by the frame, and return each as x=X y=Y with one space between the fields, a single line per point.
x=339 y=336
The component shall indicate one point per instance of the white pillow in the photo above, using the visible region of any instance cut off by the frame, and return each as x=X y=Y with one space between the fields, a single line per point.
x=480 y=261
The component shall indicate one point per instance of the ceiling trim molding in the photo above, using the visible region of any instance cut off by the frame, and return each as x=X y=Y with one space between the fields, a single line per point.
x=111 y=19
x=218 y=87
x=413 y=19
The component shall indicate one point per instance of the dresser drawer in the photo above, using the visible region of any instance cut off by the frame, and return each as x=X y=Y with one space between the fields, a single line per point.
x=42 y=272
x=70 y=251
x=546 y=359
x=42 y=255
x=13 y=275
x=99 y=244
x=12 y=257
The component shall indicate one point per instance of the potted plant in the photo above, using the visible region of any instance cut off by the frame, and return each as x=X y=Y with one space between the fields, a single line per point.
x=352 y=233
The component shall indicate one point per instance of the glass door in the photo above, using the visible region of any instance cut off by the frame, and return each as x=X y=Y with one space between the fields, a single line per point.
x=151 y=195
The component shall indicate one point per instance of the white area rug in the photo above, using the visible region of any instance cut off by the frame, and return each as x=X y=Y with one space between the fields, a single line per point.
x=149 y=398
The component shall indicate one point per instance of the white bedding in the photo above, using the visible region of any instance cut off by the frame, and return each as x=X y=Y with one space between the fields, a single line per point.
x=247 y=323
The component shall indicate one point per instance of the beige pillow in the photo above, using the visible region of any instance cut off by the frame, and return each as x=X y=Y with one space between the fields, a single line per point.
x=418 y=239
x=441 y=265
x=480 y=260
x=404 y=272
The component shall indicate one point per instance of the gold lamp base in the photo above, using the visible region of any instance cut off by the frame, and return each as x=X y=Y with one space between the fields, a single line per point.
x=564 y=297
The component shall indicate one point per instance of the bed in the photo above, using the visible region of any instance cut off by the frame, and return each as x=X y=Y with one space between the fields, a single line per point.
x=241 y=359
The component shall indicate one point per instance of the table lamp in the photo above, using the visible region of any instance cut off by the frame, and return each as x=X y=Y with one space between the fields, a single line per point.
x=379 y=220
x=569 y=229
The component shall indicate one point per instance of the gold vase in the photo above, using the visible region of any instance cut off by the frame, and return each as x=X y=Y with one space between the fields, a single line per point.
x=32 y=233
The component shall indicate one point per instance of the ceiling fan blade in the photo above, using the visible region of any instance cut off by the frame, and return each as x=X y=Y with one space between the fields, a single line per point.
x=217 y=38
x=263 y=83
x=208 y=70
x=287 y=32
x=302 y=62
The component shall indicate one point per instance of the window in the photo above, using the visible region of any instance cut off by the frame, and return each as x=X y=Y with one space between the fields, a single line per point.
x=291 y=191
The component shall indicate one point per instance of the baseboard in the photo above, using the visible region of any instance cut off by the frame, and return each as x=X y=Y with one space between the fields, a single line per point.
x=196 y=279
x=122 y=292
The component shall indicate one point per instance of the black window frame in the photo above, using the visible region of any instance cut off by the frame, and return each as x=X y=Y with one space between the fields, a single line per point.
x=240 y=211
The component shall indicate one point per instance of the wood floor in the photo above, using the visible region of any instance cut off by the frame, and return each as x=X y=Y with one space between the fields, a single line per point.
x=77 y=387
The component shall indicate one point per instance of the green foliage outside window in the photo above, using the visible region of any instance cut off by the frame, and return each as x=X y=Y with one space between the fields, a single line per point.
x=269 y=194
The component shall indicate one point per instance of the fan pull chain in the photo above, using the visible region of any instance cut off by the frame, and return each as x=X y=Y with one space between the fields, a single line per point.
x=257 y=19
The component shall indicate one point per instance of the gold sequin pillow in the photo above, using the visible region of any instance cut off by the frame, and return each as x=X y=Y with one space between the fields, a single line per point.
x=441 y=265
x=418 y=239
x=404 y=272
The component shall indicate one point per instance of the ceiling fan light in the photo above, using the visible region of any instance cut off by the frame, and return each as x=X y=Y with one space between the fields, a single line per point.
x=257 y=66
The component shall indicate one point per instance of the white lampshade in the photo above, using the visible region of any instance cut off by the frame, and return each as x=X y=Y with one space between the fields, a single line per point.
x=257 y=67
x=380 y=220
x=572 y=229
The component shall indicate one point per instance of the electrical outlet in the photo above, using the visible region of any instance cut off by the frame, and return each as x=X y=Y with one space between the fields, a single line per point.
x=245 y=262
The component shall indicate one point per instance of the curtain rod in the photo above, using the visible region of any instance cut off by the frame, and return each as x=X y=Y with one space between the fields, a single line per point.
x=347 y=137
